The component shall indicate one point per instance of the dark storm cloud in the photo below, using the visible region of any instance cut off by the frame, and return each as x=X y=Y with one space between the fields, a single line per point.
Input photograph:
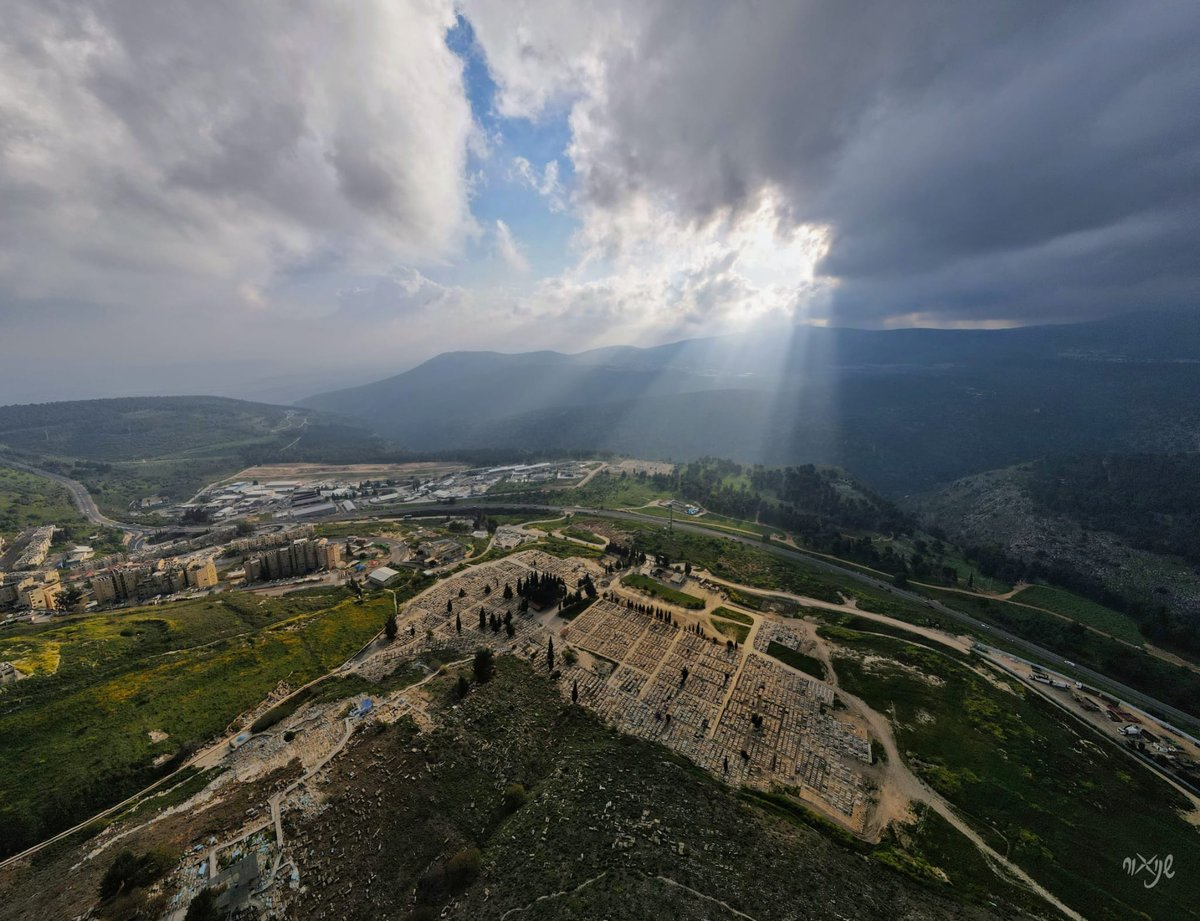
x=973 y=161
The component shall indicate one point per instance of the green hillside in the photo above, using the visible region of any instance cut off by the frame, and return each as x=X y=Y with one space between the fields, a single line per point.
x=125 y=449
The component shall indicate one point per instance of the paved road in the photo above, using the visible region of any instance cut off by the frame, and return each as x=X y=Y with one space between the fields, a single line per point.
x=80 y=496
x=1132 y=696
x=996 y=635
x=87 y=507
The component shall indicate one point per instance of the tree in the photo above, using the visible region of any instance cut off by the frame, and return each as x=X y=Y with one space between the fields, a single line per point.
x=458 y=624
x=69 y=599
x=550 y=655
x=132 y=871
x=204 y=907
x=575 y=691
x=482 y=620
x=508 y=591
x=449 y=605
x=391 y=628
x=484 y=665
x=462 y=687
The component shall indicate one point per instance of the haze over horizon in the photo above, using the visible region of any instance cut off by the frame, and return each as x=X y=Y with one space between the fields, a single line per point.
x=270 y=201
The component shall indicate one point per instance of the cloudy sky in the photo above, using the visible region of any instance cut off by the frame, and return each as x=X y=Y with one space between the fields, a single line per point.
x=267 y=199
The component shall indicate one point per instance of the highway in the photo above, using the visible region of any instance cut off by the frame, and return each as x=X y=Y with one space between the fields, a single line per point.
x=87 y=507
x=203 y=759
x=988 y=632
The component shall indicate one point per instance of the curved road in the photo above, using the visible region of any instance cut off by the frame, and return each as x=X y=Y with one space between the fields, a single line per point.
x=87 y=507
x=1130 y=695
x=80 y=496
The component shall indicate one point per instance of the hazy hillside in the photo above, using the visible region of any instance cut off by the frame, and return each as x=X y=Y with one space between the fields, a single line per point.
x=147 y=427
x=904 y=409
x=1118 y=528
x=124 y=449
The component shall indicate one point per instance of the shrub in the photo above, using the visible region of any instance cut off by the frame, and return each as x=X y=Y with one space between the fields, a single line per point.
x=463 y=868
x=515 y=797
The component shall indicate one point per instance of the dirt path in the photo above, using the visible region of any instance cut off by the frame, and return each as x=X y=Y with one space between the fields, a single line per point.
x=902 y=787
x=908 y=785
x=993 y=596
x=960 y=643
x=1008 y=597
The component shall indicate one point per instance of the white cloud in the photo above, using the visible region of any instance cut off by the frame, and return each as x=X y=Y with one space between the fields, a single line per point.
x=397 y=297
x=932 y=142
x=509 y=249
x=645 y=275
x=546 y=184
x=186 y=154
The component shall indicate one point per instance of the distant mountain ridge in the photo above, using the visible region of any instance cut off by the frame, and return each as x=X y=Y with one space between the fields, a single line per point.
x=904 y=409
x=136 y=428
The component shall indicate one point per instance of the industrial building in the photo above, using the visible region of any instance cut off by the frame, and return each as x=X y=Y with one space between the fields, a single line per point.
x=382 y=576
x=437 y=552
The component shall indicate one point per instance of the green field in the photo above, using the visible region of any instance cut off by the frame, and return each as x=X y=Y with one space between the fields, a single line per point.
x=735 y=632
x=735 y=616
x=1063 y=806
x=584 y=535
x=548 y=525
x=608 y=490
x=1081 y=609
x=1166 y=681
x=658 y=590
x=712 y=520
x=186 y=670
x=27 y=501
x=796 y=659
